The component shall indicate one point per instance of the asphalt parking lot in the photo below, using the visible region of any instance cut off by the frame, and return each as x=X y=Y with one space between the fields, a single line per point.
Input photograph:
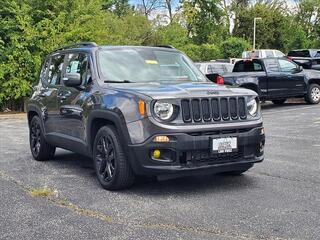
x=277 y=199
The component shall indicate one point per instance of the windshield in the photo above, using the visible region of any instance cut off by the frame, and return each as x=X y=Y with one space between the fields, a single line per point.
x=146 y=65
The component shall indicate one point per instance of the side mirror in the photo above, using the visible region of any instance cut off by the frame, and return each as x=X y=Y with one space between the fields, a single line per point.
x=72 y=80
x=298 y=69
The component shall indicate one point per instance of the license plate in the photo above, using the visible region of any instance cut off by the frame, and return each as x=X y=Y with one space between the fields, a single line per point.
x=225 y=145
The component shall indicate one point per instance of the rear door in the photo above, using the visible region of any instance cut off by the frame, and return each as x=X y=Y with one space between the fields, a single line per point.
x=51 y=78
x=72 y=99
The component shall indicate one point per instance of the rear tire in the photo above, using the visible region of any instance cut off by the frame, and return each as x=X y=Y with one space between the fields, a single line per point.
x=111 y=165
x=313 y=94
x=40 y=149
x=279 y=101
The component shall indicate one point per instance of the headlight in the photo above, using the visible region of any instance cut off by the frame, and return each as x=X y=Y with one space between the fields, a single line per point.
x=252 y=107
x=163 y=110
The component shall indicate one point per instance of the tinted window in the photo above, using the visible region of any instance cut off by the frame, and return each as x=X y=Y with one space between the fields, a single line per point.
x=78 y=63
x=272 y=65
x=300 y=53
x=248 y=66
x=45 y=67
x=55 y=69
x=286 y=66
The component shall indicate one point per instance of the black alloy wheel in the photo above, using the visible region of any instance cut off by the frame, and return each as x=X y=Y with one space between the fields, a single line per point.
x=111 y=165
x=105 y=158
x=40 y=149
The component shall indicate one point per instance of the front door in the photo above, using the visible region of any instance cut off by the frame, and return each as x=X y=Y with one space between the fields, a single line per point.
x=293 y=78
x=72 y=99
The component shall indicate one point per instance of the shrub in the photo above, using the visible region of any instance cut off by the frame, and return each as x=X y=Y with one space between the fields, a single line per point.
x=233 y=47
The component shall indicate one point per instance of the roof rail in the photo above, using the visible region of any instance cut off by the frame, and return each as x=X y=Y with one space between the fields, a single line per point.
x=166 y=46
x=81 y=44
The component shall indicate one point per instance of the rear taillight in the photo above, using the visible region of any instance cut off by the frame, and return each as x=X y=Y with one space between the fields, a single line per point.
x=290 y=58
x=220 y=80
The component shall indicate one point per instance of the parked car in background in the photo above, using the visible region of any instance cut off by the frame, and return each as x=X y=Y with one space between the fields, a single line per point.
x=213 y=70
x=263 y=53
x=275 y=79
x=307 y=58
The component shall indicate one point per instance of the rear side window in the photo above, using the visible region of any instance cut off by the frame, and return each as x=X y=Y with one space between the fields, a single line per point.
x=272 y=65
x=44 y=69
x=302 y=53
x=78 y=63
x=55 y=69
x=248 y=66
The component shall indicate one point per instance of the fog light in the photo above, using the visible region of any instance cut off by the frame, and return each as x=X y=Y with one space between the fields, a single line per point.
x=262 y=131
x=161 y=139
x=156 y=154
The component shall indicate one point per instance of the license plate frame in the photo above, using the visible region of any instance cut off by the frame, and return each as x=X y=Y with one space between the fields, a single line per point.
x=222 y=145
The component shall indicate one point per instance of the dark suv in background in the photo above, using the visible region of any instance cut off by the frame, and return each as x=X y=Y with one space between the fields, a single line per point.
x=142 y=111
x=307 y=58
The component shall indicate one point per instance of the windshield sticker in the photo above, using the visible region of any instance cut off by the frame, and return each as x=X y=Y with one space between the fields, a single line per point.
x=151 y=61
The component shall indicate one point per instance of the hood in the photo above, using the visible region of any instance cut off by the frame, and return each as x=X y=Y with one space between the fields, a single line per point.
x=182 y=90
x=312 y=73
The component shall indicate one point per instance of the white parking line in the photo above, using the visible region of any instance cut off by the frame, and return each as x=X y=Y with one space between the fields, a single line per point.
x=288 y=110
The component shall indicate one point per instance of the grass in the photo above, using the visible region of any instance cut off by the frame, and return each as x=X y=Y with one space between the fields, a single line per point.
x=42 y=192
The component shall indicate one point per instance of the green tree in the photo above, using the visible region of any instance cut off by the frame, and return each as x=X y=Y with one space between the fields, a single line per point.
x=204 y=18
x=308 y=18
x=233 y=47
x=272 y=30
x=173 y=34
x=204 y=52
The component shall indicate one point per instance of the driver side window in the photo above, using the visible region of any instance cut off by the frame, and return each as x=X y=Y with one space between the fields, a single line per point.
x=286 y=66
x=78 y=63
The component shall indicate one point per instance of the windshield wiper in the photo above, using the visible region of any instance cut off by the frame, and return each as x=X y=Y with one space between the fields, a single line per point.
x=112 y=81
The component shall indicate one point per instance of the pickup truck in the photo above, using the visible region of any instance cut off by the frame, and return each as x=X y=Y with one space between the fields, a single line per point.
x=275 y=79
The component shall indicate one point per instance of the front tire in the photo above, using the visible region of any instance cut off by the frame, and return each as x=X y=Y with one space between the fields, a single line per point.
x=111 y=165
x=40 y=149
x=279 y=101
x=313 y=94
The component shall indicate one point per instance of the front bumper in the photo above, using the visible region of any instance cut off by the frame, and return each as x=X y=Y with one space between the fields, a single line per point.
x=190 y=153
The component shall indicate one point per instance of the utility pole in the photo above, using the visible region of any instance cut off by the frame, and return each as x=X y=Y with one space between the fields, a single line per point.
x=254 y=31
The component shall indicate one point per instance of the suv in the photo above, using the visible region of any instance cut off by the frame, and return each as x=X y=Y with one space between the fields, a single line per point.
x=142 y=111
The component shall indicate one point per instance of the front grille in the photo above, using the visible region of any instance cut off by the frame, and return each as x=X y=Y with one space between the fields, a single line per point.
x=213 y=109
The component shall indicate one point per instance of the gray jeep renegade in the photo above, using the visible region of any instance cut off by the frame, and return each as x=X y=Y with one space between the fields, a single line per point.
x=142 y=111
